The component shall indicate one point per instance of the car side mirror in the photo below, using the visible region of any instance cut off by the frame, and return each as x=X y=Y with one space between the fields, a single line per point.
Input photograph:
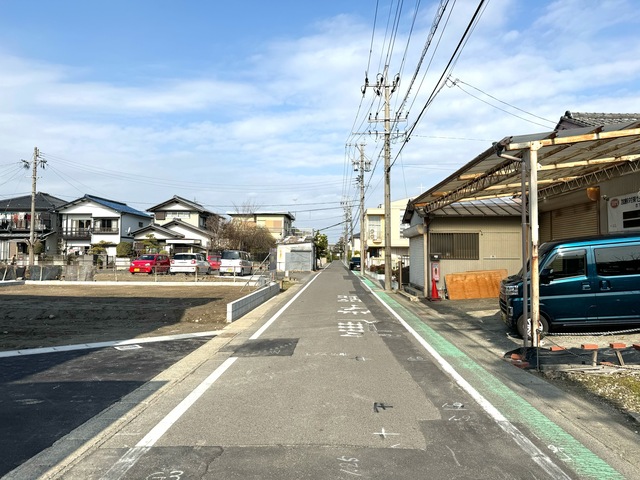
x=546 y=275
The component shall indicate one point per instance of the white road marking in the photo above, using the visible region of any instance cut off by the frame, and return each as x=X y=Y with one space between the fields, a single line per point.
x=281 y=311
x=537 y=455
x=115 y=343
x=130 y=458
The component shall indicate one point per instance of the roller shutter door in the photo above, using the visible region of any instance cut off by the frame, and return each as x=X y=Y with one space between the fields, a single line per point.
x=575 y=221
x=416 y=267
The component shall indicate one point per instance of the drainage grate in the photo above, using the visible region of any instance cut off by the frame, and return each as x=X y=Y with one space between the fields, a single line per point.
x=275 y=347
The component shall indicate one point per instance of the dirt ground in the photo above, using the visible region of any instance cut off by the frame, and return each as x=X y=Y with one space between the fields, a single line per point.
x=34 y=316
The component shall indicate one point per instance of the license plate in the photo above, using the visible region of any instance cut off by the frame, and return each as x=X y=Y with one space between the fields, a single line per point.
x=136 y=269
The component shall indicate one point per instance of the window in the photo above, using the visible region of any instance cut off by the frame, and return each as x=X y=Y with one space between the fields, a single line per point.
x=456 y=246
x=616 y=261
x=375 y=229
x=568 y=264
x=181 y=214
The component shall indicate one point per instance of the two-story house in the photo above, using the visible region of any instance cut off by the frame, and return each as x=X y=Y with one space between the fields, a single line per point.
x=15 y=224
x=372 y=239
x=180 y=226
x=90 y=220
x=279 y=224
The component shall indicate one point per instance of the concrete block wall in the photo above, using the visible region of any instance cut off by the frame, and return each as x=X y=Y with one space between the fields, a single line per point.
x=243 y=305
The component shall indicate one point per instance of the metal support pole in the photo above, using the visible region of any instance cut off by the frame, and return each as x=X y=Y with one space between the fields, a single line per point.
x=533 y=221
x=525 y=246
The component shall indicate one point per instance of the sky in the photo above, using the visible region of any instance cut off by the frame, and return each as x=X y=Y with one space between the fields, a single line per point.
x=260 y=105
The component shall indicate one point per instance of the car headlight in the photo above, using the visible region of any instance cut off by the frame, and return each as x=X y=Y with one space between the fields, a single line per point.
x=511 y=290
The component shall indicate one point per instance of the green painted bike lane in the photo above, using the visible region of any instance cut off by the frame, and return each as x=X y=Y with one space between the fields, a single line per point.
x=492 y=392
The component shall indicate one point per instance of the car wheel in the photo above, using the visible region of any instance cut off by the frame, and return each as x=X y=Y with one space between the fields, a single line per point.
x=524 y=327
x=208 y=272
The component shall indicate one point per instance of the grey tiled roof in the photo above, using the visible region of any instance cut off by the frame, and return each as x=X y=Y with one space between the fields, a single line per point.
x=581 y=119
x=44 y=202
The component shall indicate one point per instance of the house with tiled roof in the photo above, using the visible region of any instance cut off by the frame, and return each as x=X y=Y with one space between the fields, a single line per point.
x=90 y=220
x=176 y=236
x=179 y=208
x=15 y=224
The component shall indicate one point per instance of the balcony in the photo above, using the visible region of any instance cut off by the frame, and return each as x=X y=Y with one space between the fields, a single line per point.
x=25 y=226
x=106 y=230
x=76 y=234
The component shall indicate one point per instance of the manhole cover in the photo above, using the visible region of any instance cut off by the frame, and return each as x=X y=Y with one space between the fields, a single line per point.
x=278 y=347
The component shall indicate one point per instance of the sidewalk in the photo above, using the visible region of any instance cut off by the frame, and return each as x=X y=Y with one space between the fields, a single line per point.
x=563 y=350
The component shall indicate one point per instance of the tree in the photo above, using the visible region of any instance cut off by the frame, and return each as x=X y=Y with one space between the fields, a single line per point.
x=151 y=243
x=215 y=225
x=321 y=243
x=124 y=249
x=247 y=236
x=100 y=248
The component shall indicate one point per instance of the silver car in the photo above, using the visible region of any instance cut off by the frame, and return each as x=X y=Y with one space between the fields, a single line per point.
x=189 y=263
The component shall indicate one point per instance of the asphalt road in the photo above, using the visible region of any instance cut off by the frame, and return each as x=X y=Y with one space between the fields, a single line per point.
x=45 y=397
x=338 y=380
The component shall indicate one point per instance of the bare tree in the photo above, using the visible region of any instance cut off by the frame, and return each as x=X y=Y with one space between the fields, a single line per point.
x=215 y=226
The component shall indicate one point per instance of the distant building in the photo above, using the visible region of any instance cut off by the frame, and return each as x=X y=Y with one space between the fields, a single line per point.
x=279 y=224
x=15 y=224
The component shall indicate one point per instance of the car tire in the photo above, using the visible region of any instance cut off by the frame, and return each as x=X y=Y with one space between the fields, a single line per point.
x=524 y=327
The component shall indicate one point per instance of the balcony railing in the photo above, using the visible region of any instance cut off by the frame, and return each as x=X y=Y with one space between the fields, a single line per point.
x=106 y=230
x=76 y=234
x=24 y=226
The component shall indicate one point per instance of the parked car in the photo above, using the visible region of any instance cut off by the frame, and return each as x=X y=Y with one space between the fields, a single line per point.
x=584 y=282
x=150 y=263
x=189 y=263
x=354 y=263
x=214 y=261
x=235 y=262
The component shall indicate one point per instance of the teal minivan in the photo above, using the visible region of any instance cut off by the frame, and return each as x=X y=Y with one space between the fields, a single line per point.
x=584 y=282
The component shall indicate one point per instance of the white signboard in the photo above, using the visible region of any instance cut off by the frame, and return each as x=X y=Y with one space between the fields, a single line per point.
x=624 y=213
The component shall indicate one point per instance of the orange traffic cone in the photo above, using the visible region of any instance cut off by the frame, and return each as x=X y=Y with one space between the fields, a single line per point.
x=434 y=291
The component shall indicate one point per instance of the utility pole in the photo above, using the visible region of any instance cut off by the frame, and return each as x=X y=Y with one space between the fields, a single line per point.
x=363 y=166
x=34 y=179
x=347 y=227
x=383 y=87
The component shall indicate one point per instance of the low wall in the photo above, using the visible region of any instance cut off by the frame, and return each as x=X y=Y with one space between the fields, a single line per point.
x=243 y=305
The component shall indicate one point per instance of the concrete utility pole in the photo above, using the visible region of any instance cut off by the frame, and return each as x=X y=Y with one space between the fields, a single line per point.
x=34 y=179
x=347 y=227
x=362 y=167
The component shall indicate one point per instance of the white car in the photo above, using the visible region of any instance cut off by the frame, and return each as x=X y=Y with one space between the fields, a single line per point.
x=189 y=263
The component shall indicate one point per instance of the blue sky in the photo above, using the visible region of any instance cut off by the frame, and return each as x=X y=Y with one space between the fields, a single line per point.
x=259 y=103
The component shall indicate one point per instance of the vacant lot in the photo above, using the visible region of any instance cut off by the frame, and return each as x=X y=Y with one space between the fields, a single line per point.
x=48 y=315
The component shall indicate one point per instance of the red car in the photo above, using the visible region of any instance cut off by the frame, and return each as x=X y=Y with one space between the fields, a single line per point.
x=214 y=261
x=150 y=263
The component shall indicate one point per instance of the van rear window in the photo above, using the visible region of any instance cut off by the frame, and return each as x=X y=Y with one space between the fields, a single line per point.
x=230 y=255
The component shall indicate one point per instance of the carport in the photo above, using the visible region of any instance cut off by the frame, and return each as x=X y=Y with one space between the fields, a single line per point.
x=566 y=160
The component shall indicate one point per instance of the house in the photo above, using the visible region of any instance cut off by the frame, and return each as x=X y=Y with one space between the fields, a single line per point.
x=15 y=224
x=90 y=220
x=477 y=235
x=373 y=242
x=174 y=237
x=279 y=224
x=178 y=208
x=180 y=226
x=586 y=183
